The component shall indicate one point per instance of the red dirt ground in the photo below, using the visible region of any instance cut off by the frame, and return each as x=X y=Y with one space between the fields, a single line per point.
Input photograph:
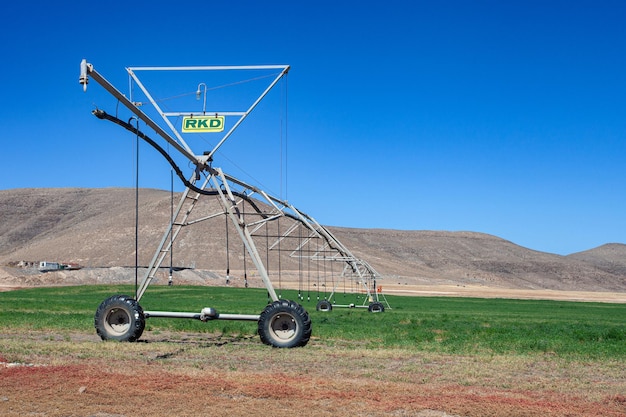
x=90 y=390
x=161 y=378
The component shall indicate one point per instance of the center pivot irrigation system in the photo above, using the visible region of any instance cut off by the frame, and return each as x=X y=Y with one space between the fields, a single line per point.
x=274 y=233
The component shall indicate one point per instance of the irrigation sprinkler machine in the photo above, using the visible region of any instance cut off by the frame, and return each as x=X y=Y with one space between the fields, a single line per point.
x=282 y=242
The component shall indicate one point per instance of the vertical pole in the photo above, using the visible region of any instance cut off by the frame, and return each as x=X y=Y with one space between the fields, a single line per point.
x=170 y=281
x=137 y=211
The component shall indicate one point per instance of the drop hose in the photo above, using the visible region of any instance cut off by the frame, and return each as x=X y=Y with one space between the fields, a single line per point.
x=101 y=114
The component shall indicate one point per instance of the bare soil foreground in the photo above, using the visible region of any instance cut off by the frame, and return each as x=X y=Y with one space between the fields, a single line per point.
x=199 y=374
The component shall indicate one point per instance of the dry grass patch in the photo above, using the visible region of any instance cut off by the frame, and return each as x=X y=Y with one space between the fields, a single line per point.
x=200 y=374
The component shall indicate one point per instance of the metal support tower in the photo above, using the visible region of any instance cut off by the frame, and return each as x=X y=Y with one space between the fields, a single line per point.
x=295 y=230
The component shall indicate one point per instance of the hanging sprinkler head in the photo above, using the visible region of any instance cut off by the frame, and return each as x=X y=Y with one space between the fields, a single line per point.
x=84 y=77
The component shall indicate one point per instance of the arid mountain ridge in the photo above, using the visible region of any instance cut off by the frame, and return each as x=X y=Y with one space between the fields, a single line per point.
x=96 y=228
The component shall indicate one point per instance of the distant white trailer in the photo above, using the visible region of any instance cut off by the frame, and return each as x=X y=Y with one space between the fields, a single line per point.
x=49 y=266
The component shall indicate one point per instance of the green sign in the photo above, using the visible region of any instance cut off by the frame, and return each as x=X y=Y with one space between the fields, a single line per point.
x=198 y=124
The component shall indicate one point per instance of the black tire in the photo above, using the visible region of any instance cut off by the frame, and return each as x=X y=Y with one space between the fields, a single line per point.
x=284 y=324
x=376 y=307
x=324 y=305
x=119 y=318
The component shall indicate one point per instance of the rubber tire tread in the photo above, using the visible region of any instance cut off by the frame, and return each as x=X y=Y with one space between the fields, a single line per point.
x=376 y=307
x=133 y=309
x=298 y=312
x=324 y=305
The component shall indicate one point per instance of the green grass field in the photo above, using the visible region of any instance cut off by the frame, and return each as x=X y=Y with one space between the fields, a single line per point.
x=429 y=324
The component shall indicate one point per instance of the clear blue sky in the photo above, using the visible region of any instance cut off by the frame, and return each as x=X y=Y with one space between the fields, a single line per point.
x=501 y=117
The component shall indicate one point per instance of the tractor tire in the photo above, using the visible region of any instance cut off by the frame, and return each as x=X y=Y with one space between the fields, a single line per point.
x=284 y=324
x=120 y=318
x=376 y=307
x=324 y=305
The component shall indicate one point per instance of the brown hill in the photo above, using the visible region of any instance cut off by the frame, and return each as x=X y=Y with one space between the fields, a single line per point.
x=609 y=257
x=96 y=228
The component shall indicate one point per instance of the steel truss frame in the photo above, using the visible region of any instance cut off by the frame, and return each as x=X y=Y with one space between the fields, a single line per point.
x=298 y=236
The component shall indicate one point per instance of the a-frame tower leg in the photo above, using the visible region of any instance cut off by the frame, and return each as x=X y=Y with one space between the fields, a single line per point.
x=172 y=231
x=177 y=222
